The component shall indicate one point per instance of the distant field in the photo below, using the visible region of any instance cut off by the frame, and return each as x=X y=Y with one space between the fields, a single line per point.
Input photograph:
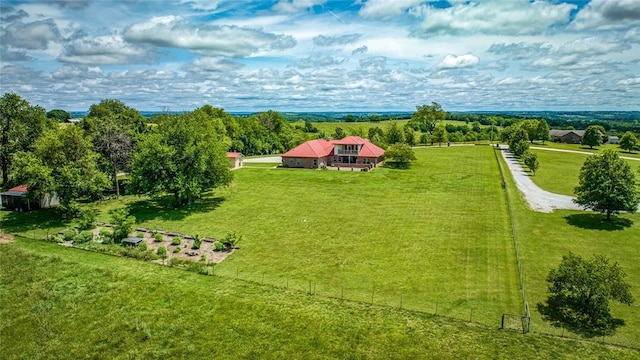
x=559 y=171
x=583 y=148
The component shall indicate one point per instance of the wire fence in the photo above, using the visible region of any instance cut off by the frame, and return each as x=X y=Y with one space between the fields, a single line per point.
x=526 y=322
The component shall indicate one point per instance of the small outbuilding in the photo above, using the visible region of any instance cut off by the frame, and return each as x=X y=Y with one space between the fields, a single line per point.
x=17 y=198
x=235 y=160
x=613 y=139
x=132 y=241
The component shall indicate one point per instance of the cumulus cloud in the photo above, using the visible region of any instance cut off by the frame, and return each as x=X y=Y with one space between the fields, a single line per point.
x=293 y=6
x=360 y=51
x=215 y=65
x=514 y=17
x=630 y=81
x=521 y=50
x=385 y=9
x=15 y=56
x=593 y=46
x=104 y=50
x=322 y=40
x=32 y=36
x=318 y=61
x=206 y=5
x=608 y=14
x=9 y=14
x=210 y=40
x=457 y=62
x=374 y=65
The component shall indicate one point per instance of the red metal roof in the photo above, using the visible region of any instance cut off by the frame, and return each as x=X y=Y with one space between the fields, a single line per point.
x=350 y=140
x=233 y=155
x=311 y=149
x=19 y=188
x=370 y=150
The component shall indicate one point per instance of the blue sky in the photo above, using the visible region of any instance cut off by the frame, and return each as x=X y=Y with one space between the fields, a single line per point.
x=322 y=55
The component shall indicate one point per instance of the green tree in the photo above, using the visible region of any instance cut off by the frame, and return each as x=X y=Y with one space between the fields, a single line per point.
x=592 y=137
x=531 y=160
x=607 y=184
x=542 y=132
x=185 y=157
x=628 y=141
x=409 y=135
x=122 y=224
x=20 y=125
x=579 y=294
x=349 y=118
x=424 y=138
x=518 y=141
x=338 y=134
x=399 y=154
x=58 y=115
x=531 y=127
x=439 y=135
x=427 y=117
x=394 y=134
x=162 y=253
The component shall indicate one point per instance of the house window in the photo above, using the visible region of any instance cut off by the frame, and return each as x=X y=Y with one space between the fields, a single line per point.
x=297 y=161
x=291 y=161
x=366 y=161
x=315 y=162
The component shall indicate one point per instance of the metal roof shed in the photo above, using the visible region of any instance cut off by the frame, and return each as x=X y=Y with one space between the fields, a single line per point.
x=133 y=241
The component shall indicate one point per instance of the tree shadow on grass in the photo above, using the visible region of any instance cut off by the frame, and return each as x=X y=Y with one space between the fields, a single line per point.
x=163 y=209
x=14 y=221
x=397 y=165
x=560 y=315
x=594 y=221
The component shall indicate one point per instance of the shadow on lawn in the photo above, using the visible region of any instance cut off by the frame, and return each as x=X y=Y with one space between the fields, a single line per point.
x=14 y=221
x=598 y=222
x=162 y=209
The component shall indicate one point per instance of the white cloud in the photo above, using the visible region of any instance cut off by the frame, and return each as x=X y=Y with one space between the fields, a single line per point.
x=345 y=39
x=360 y=51
x=593 y=46
x=215 y=65
x=206 y=5
x=293 y=6
x=33 y=36
x=318 y=61
x=385 y=9
x=493 y=17
x=630 y=81
x=458 y=62
x=104 y=50
x=210 y=40
x=608 y=14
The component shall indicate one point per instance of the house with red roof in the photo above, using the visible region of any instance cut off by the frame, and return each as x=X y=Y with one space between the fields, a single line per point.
x=235 y=160
x=16 y=199
x=350 y=152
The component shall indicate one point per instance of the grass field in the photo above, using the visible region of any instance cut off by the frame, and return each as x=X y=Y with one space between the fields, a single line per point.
x=545 y=238
x=62 y=303
x=559 y=171
x=434 y=236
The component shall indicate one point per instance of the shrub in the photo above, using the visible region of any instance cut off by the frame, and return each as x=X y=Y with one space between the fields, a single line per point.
x=176 y=250
x=69 y=234
x=219 y=246
x=203 y=257
x=57 y=238
x=176 y=240
x=231 y=240
x=83 y=237
x=106 y=236
x=142 y=246
x=123 y=224
x=140 y=234
x=196 y=242
x=87 y=220
x=162 y=252
x=157 y=237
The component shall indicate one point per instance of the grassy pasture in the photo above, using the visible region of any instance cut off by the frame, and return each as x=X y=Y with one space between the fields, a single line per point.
x=545 y=238
x=62 y=303
x=559 y=171
x=584 y=148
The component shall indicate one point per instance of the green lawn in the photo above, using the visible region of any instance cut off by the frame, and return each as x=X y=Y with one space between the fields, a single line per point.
x=62 y=303
x=435 y=236
x=587 y=149
x=545 y=238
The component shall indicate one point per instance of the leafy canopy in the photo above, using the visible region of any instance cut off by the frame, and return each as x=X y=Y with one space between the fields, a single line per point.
x=607 y=184
x=579 y=294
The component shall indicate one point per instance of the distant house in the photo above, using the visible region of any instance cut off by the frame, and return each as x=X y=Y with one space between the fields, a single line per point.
x=16 y=199
x=235 y=160
x=350 y=152
x=613 y=139
x=567 y=136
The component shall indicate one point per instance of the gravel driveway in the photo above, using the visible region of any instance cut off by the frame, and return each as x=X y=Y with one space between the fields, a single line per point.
x=538 y=199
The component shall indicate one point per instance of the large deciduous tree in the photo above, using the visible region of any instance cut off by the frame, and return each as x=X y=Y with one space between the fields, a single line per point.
x=427 y=117
x=592 y=136
x=440 y=135
x=579 y=294
x=20 y=125
x=607 y=184
x=518 y=141
x=185 y=157
x=628 y=141
x=59 y=115
x=394 y=134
